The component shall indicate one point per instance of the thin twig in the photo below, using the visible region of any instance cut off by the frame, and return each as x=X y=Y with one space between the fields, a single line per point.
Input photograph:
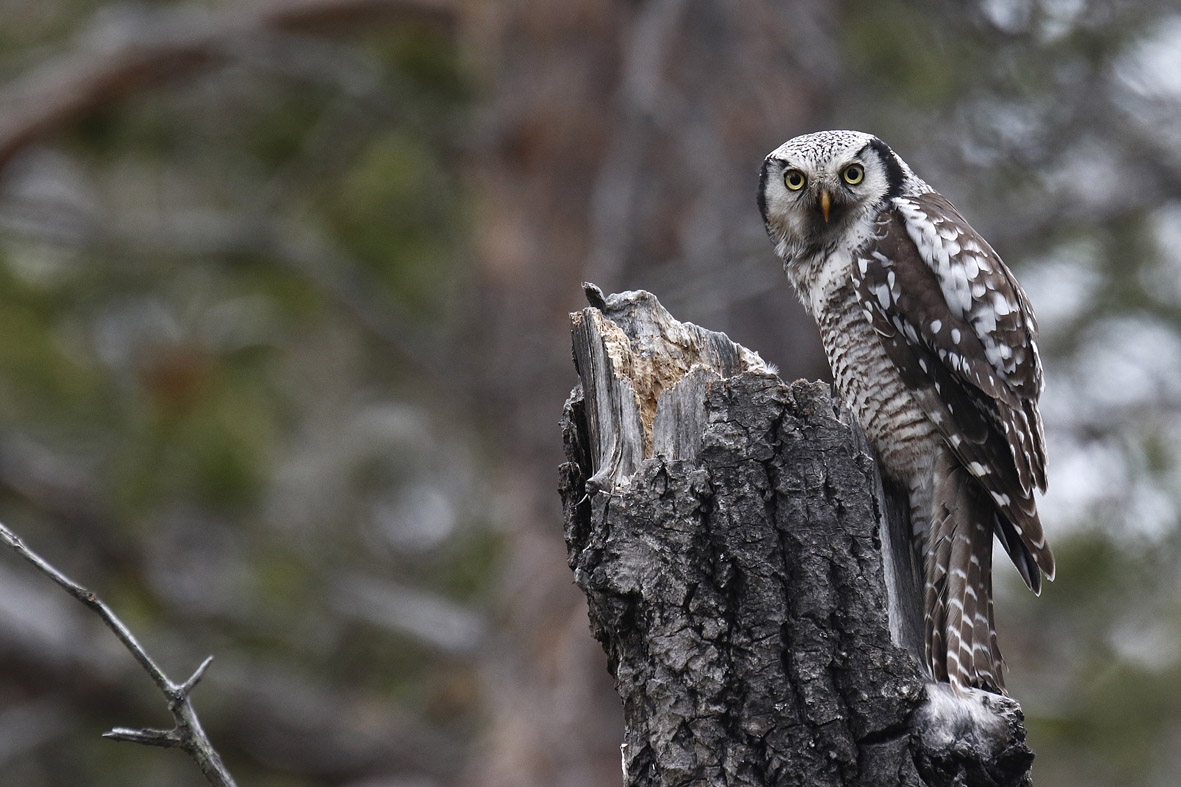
x=188 y=733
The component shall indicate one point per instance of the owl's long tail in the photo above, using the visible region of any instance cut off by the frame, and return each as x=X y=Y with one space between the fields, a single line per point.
x=960 y=637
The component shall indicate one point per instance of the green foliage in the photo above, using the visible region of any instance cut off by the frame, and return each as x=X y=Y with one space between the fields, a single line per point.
x=202 y=357
x=893 y=43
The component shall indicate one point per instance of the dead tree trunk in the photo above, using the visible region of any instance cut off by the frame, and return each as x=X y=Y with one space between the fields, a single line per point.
x=729 y=531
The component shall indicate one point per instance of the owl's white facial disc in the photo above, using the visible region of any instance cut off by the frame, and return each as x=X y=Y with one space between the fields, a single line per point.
x=815 y=188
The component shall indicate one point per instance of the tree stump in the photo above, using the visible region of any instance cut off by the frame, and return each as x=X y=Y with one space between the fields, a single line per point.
x=735 y=544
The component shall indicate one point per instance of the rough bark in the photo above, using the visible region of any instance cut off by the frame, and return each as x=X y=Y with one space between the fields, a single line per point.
x=727 y=529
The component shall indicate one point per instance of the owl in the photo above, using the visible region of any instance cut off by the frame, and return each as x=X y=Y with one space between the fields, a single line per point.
x=933 y=347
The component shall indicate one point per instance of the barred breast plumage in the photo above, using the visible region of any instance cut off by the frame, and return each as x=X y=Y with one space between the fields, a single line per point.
x=866 y=378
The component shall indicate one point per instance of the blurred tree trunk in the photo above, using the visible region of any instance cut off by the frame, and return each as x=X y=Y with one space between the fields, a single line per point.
x=617 y=137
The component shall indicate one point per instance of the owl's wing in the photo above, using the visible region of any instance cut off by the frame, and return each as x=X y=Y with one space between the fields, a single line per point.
x=960 y=330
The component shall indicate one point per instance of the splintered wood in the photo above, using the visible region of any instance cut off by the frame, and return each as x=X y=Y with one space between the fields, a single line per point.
x=644 y=375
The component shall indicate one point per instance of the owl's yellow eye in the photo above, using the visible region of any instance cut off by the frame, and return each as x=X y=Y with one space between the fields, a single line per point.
x=853 y=174
x=794 y=180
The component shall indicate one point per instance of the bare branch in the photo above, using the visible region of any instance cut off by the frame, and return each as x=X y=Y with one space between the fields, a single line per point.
x=188 y=733
x=166 y=45
x=167 y=739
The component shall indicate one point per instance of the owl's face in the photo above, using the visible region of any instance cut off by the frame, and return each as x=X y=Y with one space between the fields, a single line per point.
x=816 y=189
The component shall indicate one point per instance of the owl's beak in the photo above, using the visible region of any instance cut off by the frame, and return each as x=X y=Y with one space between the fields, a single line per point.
x=825 y=203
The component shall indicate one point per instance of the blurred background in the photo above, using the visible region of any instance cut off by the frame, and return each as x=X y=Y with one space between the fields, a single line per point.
x=284 y=341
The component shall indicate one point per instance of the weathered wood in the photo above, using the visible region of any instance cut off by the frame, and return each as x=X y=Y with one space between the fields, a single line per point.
x=728 y=532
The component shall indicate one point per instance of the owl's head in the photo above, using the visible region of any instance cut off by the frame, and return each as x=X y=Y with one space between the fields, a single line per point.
x=816 y=188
